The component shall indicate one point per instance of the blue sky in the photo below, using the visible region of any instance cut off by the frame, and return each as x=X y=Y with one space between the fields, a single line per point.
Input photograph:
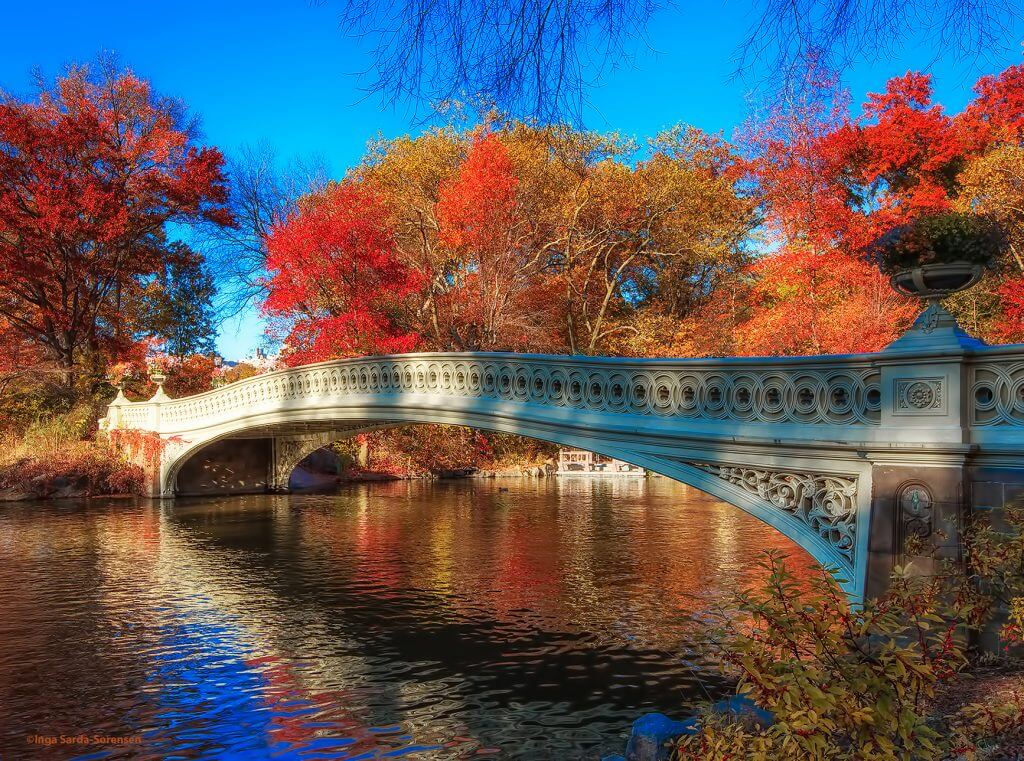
x=285 y=73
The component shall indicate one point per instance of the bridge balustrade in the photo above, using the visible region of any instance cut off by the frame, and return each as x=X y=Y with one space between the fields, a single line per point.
x=826 y=449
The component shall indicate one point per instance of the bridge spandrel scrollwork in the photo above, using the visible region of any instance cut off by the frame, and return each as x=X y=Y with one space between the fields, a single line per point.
x=827 y=504
x=815 y=446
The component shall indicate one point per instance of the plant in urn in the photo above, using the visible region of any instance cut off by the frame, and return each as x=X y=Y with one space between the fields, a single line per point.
x=158 y=365
x=937 y=255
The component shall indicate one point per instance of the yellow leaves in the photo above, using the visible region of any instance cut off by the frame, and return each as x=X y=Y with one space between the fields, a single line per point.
x=842 y=683
x=993 y=183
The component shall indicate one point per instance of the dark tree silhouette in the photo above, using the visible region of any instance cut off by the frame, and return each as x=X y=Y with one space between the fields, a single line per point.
x=537 y=58
x=178 y=305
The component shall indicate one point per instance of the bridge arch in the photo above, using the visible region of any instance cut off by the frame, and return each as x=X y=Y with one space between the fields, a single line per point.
x=821 y=448
x=825 y=512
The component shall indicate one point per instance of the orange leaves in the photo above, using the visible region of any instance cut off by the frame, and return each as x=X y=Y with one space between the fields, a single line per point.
x=909 y=145
x=830 y=303
x=478 y=204
x=830 y=180
x=500 y=295
x=143 y=447
x=996 y=115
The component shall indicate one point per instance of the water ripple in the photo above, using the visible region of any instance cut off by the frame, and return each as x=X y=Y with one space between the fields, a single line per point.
x=406 y=620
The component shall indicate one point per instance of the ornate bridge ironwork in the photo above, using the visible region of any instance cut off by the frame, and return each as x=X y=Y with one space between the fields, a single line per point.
x=819 y=447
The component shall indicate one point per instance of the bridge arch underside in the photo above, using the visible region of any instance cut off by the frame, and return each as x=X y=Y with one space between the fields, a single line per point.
x=820 y=499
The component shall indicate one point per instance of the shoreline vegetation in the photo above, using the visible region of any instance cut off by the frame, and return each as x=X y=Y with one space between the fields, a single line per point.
x=61 y=457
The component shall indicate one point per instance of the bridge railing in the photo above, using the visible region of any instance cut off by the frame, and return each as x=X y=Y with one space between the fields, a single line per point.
x=806 y=390
x=995 y=385
x=838 y=391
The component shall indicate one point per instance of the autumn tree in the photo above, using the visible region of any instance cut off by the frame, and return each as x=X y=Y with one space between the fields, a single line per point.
x=192 y=374
x=581 y=235
x=91 y=173
x=918 y=159
x=502 y=295
x=801 y=302
x=336 y=284
x=582 y=190
x=806 y=296
x=407 y=174
x=992 y=182
x=831 y=184
x=623 y=236
x=686 y=227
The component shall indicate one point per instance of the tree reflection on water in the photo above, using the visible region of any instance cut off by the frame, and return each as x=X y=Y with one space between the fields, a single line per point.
x=533 y=618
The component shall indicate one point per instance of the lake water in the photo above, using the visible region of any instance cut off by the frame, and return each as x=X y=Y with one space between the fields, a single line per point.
x=520 y=619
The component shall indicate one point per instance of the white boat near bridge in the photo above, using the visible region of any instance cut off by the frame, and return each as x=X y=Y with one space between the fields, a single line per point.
x=577 y=462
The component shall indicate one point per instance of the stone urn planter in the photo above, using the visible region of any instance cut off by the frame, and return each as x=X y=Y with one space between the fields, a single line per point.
x=935 y=327
x=934 y=256
x=933 y=281
x=158 y=374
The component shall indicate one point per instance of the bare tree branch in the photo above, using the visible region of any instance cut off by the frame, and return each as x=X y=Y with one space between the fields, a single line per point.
x=791 y=36
x=539 y=58
x=531 y=57
x=263 y=193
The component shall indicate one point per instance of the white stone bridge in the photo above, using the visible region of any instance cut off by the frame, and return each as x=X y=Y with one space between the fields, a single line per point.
x=845 y=455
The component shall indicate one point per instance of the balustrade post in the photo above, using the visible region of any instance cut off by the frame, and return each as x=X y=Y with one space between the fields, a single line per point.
x=919 y=468
x=113 y=418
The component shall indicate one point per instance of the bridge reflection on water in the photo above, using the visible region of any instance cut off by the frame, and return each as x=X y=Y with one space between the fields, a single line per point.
x=535 y=622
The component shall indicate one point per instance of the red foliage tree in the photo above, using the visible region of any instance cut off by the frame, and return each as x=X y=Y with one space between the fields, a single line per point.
x=336 y=280
x=832 y=184
x=1011 y=327
x=90 y=174
x=798 y=154
x=502 y=299
x=909 y=151
x=829 y=303
x=830 y=181
x=996 y=115
x=190 y=375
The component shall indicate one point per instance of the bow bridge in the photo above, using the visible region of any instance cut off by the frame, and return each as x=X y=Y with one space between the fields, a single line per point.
x=846 y=455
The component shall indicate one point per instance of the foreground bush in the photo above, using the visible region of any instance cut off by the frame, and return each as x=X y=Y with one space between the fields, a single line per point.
x=859 y=682
x=841 y=682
